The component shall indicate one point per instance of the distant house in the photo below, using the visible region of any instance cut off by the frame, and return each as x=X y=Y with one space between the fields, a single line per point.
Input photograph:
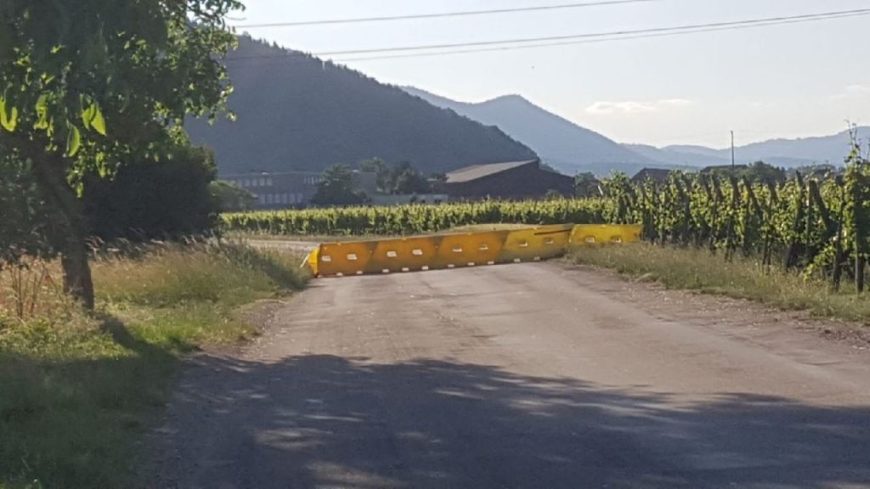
x=511 y=180
x=657 y=175
x=290 y=189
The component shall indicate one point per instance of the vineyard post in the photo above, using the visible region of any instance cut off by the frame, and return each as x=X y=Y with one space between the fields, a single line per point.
x=793 y=253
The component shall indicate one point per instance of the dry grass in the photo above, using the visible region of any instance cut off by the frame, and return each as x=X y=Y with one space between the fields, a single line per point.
x=742 y=278
x=79 y=390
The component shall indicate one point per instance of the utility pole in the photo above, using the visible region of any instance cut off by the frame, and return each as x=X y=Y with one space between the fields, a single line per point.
x=732 y=152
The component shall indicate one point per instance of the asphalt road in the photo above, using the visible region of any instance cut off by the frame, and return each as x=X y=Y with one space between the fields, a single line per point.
x=522 y=376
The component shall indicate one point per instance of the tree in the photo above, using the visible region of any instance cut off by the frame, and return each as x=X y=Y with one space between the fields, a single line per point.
x=88 y=86
x=405 y=179
x=373 y=165
x=586 y=185
x=24 y=228
x=154 y=200
x=761 y=172
x=230 y=197
x=337 y=188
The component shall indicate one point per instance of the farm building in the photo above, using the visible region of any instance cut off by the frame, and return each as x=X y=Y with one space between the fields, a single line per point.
x=657 y=175
x=511 y=180
x=292 y=188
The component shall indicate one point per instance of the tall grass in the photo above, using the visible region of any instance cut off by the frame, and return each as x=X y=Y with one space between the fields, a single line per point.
x=693 y=269
x=169 y=275
x=77 y=391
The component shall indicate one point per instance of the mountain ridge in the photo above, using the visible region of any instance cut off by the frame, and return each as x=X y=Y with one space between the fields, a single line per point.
x=297 y=112
x=558 y=141
x=786 y=152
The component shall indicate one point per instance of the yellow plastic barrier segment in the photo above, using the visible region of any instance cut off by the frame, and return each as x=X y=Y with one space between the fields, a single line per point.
x=312 y=260
x=404 y=255
x=587 y=234
x=538 y=243
x=350 y=258
x=470 y=249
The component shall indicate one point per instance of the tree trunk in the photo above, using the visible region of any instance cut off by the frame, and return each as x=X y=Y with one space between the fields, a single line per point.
x=50 y=172
x=77 y=281
x=860 y=264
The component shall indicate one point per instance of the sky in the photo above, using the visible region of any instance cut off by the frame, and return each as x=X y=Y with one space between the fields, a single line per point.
x=796 y=80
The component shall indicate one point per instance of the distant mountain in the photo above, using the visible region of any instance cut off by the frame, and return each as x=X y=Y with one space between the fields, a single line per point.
x=560 y=143
x=297 y=112
x=825 y=149
x=787 y=153
x=689 y=150
x=689 y=156
x=572 y=148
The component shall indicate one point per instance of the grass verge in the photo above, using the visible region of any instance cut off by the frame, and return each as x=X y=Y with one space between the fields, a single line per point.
x=77 y=392
x=742 y=278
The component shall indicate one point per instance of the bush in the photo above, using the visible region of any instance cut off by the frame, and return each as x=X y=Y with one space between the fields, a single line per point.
x=167 y=199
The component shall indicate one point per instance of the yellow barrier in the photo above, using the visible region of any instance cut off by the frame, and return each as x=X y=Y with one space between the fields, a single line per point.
x=349 y=258
x=403 y=255
x=461 y=249
x=536 y=243
x=470 y=249
x=605 y=233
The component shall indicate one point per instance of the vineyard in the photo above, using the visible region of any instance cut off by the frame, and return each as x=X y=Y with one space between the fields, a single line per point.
x=415 y=218
x=818 y=226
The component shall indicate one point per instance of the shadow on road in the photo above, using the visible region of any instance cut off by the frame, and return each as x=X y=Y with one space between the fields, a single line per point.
x=326 y=421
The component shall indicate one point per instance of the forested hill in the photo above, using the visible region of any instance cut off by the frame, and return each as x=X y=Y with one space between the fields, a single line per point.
x=296 y=112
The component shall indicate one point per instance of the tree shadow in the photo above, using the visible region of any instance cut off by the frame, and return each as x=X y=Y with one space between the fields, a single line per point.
x=71 y=419
x=327 y=421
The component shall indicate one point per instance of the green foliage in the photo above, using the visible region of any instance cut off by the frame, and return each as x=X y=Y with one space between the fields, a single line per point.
x=398 y=179
x=761 y=172
x=99 y=81
x=336 y=188
x=415 y=218
x=142 y=201
x=231 y=197
x=26 y=226
x=403 y=179
x=147 y=200
x=88 y=86
x=807 y=222
x=586 y=185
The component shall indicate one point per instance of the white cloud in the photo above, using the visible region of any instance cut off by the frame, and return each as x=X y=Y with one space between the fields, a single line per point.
x=635 y=107
x=675 y=102
x=851 y=91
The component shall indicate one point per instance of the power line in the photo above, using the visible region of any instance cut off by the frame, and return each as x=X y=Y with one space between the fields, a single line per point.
x=465 y=13
x=604 y=37
x=528 y=43
x=655 y=30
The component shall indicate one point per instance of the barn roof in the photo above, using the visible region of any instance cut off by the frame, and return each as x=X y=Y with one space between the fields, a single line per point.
x=655 y=174
x=475 y=172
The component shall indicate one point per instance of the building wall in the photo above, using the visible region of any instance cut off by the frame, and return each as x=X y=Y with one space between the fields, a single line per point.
x=525 y=182
x=291 y=189
x=279 y=190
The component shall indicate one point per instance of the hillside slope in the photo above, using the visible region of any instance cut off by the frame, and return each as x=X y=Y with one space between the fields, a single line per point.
x=296 y=112
x=559 y=142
